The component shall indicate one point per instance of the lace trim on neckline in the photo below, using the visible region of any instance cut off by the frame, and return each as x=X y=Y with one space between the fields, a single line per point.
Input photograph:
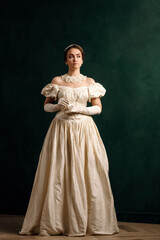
x=73 y=79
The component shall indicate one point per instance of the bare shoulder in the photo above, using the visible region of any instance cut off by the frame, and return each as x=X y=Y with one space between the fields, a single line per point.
x=90 y=80
x=57 y=80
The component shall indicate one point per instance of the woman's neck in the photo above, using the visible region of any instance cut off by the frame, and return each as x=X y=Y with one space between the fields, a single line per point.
x=75 y=72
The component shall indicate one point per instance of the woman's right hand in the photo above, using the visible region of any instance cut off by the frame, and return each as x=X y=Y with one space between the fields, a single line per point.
x=63 y=104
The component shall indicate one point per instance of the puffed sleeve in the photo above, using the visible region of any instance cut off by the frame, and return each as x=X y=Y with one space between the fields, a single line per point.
x=50 y=90
x=96 y=90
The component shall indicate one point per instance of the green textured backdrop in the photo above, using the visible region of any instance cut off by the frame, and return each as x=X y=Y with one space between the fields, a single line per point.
x=121 y=39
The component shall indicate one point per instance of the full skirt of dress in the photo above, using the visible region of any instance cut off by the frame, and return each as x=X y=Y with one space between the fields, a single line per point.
x=71 y=194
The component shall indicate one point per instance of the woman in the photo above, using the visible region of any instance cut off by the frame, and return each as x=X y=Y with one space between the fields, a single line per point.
x=71 y=194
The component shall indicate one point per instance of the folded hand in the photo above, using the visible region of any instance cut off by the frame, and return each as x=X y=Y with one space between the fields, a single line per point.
x=63 y=104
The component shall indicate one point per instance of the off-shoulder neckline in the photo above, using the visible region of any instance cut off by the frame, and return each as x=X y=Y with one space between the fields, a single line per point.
x=74 y=87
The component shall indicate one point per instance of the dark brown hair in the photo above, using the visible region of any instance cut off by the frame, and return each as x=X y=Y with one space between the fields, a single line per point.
x=72 y=46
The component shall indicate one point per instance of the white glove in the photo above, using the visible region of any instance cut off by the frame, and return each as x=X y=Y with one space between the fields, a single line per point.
x=61 y=106
x=84 y=110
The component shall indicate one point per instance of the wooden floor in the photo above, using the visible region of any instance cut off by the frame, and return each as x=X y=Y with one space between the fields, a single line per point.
x=10 y=226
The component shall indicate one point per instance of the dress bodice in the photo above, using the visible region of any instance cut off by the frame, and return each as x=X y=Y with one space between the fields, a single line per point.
x=75 y=96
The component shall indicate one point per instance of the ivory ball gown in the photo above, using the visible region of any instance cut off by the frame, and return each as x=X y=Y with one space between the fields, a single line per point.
x=71 y=194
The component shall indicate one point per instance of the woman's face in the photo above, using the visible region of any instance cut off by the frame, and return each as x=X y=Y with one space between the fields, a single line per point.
x=74 y=58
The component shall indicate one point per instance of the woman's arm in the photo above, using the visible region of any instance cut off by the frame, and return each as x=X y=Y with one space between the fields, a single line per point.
x=49 y=105
x=49 y=100
x=96 y=108
x=96 y=101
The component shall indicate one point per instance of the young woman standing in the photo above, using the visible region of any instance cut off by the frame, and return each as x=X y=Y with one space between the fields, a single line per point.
x=71 y=193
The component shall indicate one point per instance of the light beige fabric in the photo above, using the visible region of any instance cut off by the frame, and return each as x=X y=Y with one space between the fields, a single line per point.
x=71 y=194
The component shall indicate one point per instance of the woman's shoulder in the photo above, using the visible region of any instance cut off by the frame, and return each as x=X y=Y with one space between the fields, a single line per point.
x=57 y=80
x=90 y=81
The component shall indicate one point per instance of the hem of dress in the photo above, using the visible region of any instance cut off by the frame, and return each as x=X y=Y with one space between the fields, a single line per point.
x=105 y=233
x=70 y=235
x=76 y=235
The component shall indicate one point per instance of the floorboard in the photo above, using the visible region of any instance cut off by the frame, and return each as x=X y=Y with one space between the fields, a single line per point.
x=11 y=224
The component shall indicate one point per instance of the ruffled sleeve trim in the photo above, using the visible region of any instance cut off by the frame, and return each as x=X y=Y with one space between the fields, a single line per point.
x=50 y=90
x=96 y=90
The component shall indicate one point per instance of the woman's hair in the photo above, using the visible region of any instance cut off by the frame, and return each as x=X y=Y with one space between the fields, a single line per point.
x=72 y=46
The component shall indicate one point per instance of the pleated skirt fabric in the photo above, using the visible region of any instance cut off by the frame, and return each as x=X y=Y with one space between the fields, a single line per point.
x=71 y=194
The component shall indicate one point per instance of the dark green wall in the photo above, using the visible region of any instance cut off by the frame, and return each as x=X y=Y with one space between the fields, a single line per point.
x=121 y=40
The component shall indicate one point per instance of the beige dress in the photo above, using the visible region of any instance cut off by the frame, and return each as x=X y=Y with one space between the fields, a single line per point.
x=71 y=193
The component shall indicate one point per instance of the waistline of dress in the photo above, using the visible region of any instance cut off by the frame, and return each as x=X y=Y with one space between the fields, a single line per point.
x=71 y=117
